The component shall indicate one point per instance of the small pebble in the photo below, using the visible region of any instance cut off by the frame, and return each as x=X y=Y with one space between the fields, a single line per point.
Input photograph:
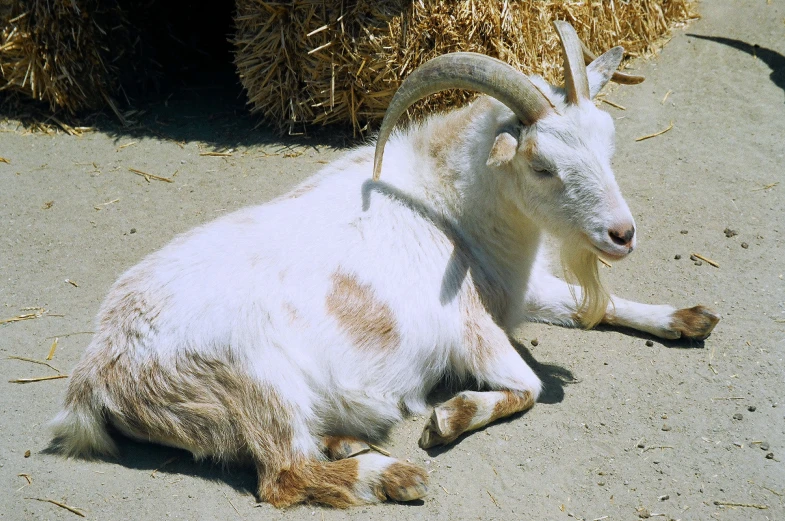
x=666 y=427
x=770 y=455
x=693 y=258
x=649 y=343
x=601 y=483
x=684 y=232
x=764 y=445
x=664 y=416
x=664 y=498
x=698 y=263
x=745 y=245
x=737 y=416
x=133 y=230
x=535 y=342
x=641 y=445
x=677 y=256
x=730 y=233
x=751 y=408
x=644 y=514
x=27 y=453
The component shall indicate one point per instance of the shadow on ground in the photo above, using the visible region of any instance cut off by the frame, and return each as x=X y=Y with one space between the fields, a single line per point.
x=214 y=114
x=773 y=59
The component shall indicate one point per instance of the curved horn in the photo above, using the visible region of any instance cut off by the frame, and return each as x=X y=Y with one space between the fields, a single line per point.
x=469 y=71
x=618 y=77
x=575 y=80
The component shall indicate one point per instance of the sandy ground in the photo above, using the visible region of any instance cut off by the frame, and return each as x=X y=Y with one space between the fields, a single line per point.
x=672 y=428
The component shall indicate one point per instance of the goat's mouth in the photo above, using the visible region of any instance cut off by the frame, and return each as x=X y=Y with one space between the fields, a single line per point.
x=609 y=252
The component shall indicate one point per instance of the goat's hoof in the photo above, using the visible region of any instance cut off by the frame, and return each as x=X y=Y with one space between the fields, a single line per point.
x=404 y=482
x=695 y=323
x=435 y=431
x=342 y=447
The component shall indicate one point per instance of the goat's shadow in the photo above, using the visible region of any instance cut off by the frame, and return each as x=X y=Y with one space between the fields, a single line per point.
x=163 y=462
x=773 y=59
x=677 y=343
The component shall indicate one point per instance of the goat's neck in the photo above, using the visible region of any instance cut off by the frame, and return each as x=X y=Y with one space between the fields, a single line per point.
x=459 y=143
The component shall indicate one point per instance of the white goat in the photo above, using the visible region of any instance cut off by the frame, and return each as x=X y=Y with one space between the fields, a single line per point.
x=295 y=332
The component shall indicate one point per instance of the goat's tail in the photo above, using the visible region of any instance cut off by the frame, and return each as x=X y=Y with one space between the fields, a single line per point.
x=80 y=428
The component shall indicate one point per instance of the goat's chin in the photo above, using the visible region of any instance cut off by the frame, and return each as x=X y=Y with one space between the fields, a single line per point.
x=608 y=252
x=610 y=255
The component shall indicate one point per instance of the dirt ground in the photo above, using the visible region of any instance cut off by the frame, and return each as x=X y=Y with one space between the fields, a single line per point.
x=685 y=431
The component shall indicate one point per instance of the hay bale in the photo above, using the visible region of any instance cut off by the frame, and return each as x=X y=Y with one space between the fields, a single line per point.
x=328 y=61
x=61 y=52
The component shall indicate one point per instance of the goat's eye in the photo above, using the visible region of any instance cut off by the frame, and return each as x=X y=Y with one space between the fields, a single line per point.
x=542 y=172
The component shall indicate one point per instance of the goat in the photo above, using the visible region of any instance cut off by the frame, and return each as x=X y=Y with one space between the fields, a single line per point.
x=295 y=333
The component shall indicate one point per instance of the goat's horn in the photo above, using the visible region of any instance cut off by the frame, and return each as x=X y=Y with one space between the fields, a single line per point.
x=469 y=71
x=618 y=77
x=575 y=80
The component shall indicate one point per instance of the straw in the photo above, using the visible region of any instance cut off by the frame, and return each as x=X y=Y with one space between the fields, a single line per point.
x=309 y=62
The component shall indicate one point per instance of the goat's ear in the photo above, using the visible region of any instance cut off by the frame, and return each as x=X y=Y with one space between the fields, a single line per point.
x=600 y=70
x=503 y=150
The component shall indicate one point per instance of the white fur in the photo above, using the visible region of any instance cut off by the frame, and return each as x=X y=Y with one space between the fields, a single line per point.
x=227 y=288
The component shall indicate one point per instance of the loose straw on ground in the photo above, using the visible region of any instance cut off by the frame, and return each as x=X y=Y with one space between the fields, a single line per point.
x=661 y=132
x=37 y=379
x=704 y=259
x=34 y=361
x=147 y=176
x=165 y=463
x=732 y=504
x=52 y=349
x=25 y=316
x=493 y=499
x=59 y=504
x=612 y=104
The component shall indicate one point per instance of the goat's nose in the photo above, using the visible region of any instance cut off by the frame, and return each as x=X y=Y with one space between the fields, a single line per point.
x=622 y=235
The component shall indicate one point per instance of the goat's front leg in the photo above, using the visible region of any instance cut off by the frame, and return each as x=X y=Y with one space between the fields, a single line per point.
x=549 y=299
x=490 y=358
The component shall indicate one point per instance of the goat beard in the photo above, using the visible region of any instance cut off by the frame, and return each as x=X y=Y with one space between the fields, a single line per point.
x=580 y=267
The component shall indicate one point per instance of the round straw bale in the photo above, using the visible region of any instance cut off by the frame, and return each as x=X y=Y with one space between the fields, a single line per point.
x=330 y=61
x=61 y=52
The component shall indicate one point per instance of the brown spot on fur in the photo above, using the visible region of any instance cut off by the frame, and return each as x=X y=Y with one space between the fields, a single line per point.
x=529 y=149
x=511 y=403
x=695 y=322
x=461 y=413
x=446 y=136
x=208 y=406
x=404 y=482
x=340 y=447
x=331 y=483
x=369 y=322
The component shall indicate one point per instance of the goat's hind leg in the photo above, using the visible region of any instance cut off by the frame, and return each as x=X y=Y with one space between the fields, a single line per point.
x=365 y=478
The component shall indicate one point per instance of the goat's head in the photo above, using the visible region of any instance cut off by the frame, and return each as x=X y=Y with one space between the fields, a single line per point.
x=553 y=151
